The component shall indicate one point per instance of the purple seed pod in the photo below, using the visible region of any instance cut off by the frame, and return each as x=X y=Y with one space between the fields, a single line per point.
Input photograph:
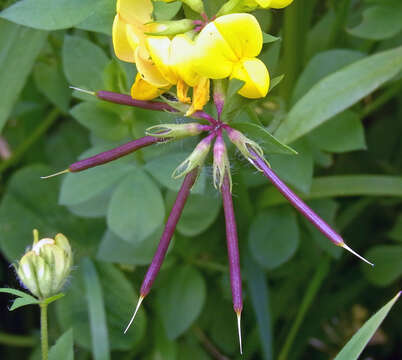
x=233 y=252
x=124 y=99
x=300 y=205
x=167 y=235
x=107 y=156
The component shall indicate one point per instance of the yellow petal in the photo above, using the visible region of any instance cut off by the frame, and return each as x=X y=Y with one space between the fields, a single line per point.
x=182 y=59
x=242 y=32
x=214 y=57
x=135 y=35
x=159 y=48
x=182 y=90
x=264 y=3
x=200 y=96
x=142 y=90
x=135 y=11
x=279 y=4
x=147 y=68
x=256 y=77
x=122 y=47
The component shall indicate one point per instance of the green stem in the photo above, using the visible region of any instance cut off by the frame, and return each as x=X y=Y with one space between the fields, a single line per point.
x=16 y=340
x=43 y=330
x=24 y=147
x=337 y=30
x=382 y=99
x=315 y=284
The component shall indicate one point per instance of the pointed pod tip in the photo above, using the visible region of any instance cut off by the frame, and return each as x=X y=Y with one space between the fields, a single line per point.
x=356 y=254
x=56 y=174
x=93 y=93
x=238 y=315
x=140 y=300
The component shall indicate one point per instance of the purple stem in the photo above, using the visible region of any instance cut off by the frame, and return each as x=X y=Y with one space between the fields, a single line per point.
x=124 y=99
x=232 y=245
x=113 y=154
x=298 y=203
x=168 y=232
x=128 y=100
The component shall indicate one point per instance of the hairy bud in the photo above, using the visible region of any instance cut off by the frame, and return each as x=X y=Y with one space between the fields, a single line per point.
x=44 y=269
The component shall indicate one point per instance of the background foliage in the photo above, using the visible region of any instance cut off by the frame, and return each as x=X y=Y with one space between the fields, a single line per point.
x=339 y=106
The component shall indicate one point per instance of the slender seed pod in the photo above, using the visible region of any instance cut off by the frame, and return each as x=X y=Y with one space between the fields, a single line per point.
x=221 y=166
x=124 y=99
x=302 y=207
x=109 y=155
x=167 y=235
x=233 y=252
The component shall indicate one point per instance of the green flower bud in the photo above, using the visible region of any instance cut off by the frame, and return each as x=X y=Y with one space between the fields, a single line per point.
x=244 y=144
x=176 y=131
x=44 y=269
x=169 y=28
x=196 y=158
x=221 y=165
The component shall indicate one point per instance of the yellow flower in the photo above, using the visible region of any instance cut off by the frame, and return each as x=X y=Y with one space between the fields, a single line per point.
x=170 y=62
x=227 y=47
x=128 y=27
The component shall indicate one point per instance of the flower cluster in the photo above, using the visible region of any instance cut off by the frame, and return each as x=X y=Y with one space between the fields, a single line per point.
x=188 y=54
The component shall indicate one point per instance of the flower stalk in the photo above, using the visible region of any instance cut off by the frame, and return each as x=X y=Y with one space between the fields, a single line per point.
x=43 y=330
x=300 y=205
x=166 y=238
x=233 y=253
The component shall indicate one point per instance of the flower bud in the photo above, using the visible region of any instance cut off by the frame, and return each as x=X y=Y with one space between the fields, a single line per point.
x=196 y=158
x=168 y=28
x=44 y=269
x=176 y=131
x=221 y=163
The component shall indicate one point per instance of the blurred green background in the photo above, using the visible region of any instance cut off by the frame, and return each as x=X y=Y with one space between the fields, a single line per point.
x=339 y=105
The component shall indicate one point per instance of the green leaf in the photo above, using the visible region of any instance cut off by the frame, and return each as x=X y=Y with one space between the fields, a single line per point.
x=136 y=208
x=50 y=81
x=321 y=65
x=96 y=309
x=199 y=213
x=276 y=81
x=274 y=237
x=344 y=132
x=234 y=103
x=295 y=170
x=381 y=20
x=23 y=301
x=388 y=265
x=161 y=168
x=180 y=300
x=338 y=91
x=349 y=185
x=116 y=250
x=396 y=231
x=83 y=63
x=30 y=198
x=104 y=123
x=19 y=48
x=357 y=343
x=40 y=14
x=326 y=209
x=260 y=299
x=64 y=347
x=80 y=187
x=267 y=38
x=23 y=298
x=119 y=297
x=166 y=11
x=268 y=142
x=101 y=19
